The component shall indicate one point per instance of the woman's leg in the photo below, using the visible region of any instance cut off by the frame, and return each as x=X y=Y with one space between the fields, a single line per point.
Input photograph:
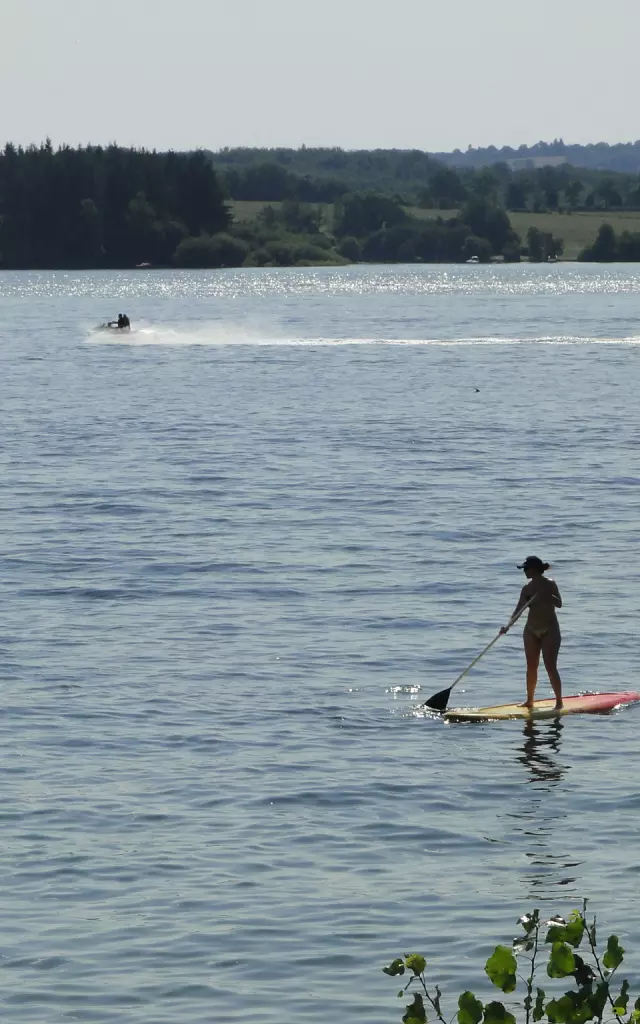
x=532 y=648
x=550 y=649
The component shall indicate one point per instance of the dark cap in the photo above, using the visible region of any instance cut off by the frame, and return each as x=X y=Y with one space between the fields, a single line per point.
x=533 y=562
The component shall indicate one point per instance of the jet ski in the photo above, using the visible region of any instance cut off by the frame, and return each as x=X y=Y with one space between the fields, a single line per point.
x=121 y=324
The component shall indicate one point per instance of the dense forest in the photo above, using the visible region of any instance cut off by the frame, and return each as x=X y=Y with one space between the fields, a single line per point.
x=320 y=175
x=93 y=207
x=416 y=178
x=370 y=167
x=599 y=156
x=112 y=207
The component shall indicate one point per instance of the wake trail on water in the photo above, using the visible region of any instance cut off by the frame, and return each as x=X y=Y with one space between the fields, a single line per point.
x=219 y=334
x=214 y=333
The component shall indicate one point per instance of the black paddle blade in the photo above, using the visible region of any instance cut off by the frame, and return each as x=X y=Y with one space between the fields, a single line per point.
x=439 y=700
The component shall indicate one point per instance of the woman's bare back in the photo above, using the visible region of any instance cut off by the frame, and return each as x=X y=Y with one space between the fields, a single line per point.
x=542 y=611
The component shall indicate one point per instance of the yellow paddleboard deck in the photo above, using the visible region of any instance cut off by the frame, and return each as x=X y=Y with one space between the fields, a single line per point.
x=589 y=703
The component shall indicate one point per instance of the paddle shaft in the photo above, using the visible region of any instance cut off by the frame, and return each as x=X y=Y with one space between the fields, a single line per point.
x=440 y=700
x=512 y=622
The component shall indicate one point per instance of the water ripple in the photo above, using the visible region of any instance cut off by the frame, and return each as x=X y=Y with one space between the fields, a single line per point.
x=237 y=554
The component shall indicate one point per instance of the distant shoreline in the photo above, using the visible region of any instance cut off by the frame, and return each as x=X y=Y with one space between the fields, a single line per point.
x=495 y=261
x=577 y=230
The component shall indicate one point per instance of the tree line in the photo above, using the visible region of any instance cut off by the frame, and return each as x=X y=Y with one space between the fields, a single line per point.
x=610 y=247
x=111 y=207
x=620 y=156
x=248 y=173
x=416 y=178
x=373 y=228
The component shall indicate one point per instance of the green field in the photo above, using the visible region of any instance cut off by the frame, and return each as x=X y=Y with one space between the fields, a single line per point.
x=247 y=209
x=577 y=230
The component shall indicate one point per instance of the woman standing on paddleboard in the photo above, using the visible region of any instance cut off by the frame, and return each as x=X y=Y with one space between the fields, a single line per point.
x=542 y=631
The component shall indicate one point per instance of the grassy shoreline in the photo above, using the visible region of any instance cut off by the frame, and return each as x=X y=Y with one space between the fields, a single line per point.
x=577 y=230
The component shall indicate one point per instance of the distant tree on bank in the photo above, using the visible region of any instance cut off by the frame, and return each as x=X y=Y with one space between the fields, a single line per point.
x=325 y=175
x=609 y=248
x=541 y=245
x=572 y=191
x=103 y=207
x=96 y=207
x=362 y=213
x=447 y=189
x=221 y=250
x=273 y=183
x=488 y=221
x=623 y=157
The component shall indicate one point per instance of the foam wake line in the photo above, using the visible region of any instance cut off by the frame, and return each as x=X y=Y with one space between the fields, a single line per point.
x=218 y=334
x=211 y=334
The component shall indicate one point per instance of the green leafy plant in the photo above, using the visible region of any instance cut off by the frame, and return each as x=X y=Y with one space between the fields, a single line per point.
x=571 y=951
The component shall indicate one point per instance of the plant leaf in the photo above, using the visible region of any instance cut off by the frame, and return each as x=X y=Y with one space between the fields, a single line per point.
x=571 y=1008
x=469 y=1009
x=395 y=967
x=620 y=1004
x=582 y=972
x=559 y=1010
x=614 y=954
x=415 y=1011
x=538 y=1010
x=501 y=968
x=530 y=921
x=570 y=931
x=416 y=963
x=561 y=961
x=598 y=999
x=496 y=1013
x=574 y=930
x=436 y=999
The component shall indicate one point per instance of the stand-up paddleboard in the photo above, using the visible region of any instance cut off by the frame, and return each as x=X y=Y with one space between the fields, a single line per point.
x=589 y=703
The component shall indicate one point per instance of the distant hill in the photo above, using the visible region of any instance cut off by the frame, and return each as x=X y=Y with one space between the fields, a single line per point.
x=537 y=178
x=322 y=174
x=598 y=156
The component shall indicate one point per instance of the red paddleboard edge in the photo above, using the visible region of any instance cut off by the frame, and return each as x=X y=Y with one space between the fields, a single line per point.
x=587 y=703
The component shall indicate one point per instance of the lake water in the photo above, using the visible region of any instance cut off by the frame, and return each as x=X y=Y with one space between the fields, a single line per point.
x=238 y=547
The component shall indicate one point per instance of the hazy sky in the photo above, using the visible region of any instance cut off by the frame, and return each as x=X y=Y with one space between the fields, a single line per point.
x=425 y=74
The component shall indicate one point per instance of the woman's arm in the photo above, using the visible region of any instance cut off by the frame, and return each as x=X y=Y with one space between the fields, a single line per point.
x=555 y=594
x=524 y=599
x=525 y=595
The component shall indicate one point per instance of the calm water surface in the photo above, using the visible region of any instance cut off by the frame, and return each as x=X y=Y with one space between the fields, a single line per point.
x=239 y=546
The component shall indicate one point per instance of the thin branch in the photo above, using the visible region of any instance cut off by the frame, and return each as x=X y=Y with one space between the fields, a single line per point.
x=434 y=1005
x=533 y=971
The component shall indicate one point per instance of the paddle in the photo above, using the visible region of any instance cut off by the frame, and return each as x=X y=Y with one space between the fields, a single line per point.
x=440 y=700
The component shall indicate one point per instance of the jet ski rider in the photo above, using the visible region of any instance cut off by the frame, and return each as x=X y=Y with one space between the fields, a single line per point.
x=121 y=323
